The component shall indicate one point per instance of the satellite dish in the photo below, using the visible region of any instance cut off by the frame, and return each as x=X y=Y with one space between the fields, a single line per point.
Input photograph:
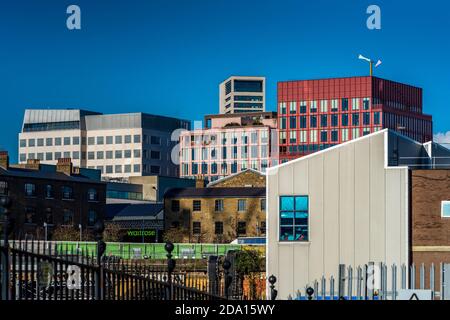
x=378 y=63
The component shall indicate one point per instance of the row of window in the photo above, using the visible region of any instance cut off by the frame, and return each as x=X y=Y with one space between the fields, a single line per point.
x=325 y=120
x=100 y=140
x=49 y=192
x=232 y=137
x=218 y=205
x=31 y=216
x=91 y=155
x=325 y=136
x=241 y=228
x=334 y=105
x=223 y=168
x=261 y=151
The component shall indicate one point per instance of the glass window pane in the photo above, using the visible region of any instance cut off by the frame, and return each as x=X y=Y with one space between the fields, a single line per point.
x=301 y=233
x=286 y=234
x=301 y=203
x=287 y=203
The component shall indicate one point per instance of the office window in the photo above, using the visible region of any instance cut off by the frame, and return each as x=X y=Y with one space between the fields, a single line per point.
x=30 y=189
x=75 y=141
x=313 y=106
x=334 y=136
x=355 y=119
x=323 y=120
x=175 y=205
x=66 y=154
x=156 y=155
x=31 y=156
x=58 y=141
x=323 y=136
x=57 y=155
x=344 y=135
x=23 y=143
x=196 y=227
x=196 y=205
x=366 y=118
x=218 y=205
x=136 y=168
x=137 y=153
x=292 y=107
x=294 y=216
x=109 y=154
x=263 y=204
x=67 y=192
x=242 y=205
x=334 y=105
x=67 y=141
x=92 y=194
x=155 y=169
x=155 y=140
x=355 y=133
x=303 y=122
x=292 y=122
x=22 y=157
x=40 y=142
x=109 y=140
x=303 y=107
x=76 y=155
x=48 y=216
x=118 y=154
x=100 y=168
x=91 y=155
x=218 y=228
x=118 y=168
x=118 y=139
x=292 y=137
x=68 y=217
x=241 y=228
x=91 y=141
x=92 y=218
x=283 y=108
x=344 y=104
x=100 y=155
x=376 y=118
x=445 y=209
x=109 y=169
x=355 y=104
x=137 y=138
x=323 y=105
x=100 y=140
x=49 y=142
x=344 y=119
x=31 y=142
x=283 y=123
x=128 y=138
x=262 y=227
x=334 y=120
x=313 y=136
x=366 y=103
x=127 y=154
x=127 y=168
x=313 y=121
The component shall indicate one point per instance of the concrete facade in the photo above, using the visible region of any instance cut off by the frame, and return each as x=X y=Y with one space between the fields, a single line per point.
x=239 y=94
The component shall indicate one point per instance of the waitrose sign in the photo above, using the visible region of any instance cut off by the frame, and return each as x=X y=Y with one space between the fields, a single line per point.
x=141 y=233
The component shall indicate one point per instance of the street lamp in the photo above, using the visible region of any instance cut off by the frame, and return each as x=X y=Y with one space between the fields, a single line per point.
x=371 y=62
x=45 y=229
x=81 y=232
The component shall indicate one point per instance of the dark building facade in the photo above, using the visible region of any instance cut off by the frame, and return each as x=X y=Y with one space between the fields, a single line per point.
x=60 y=195
x=316 y=114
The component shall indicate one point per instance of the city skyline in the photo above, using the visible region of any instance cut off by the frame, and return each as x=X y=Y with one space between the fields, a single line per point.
x=134 y=59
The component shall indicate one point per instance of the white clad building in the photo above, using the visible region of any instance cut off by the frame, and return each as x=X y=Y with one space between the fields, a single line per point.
x=120 y=145
x=345 y=205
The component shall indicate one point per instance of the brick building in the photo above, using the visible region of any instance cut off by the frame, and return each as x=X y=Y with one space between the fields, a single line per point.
x=232 y=207
x=55 y=195
x=317 y=114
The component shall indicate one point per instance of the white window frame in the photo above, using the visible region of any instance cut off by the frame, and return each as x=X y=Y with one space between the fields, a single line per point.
x=443 y=203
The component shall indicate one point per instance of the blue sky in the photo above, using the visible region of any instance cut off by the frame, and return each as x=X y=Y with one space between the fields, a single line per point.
x=168 y=57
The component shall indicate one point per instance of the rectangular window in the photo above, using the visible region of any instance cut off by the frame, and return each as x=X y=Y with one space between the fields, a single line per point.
x=366 y=118
x=218 y=228
x=40 y=156
x=313 y=121
x=294 y=218
x=445 y=209
x=355 y=119
x=313 y=106
x=68 y=217
x=23 y=143
x=91 y=155
x=30 y=189
x=323 y=136
x=128 y=138
x=344 y=120
x=40 y=142
x=75 y=141
x=49 y=142
x=334 y=136
x=118 y=154
x=242 y=205
x=323 y=105
x=109 y=169
x=127 y=168
x=48 y=156
x=67 y=192
x=376 y=118
x=303 y=107
x=127 y=154
x=366 y=103
x=118 y=168
x=355 y=104
x=109 y=154
x=323 y=121
x=66 y=141
x=91 y=141
x=100 y=155
x=344 y=104
x=155 y=140
x=156 y=155
x=334 y=105
x=155 y=169
x=137 y=138
x=218 y=205
x=22 y=157
x=196 y=227
x=137 y=153
x=100 y=140
x=292 y=107
x=109 y=140
x=31 y=142
x=292 y=122
x=57 y=141
x=283 y=108
x=241 y=228
x=118 y=139
x=196 y=205
x=137 y=168
x=263 y=204
x=303 y=122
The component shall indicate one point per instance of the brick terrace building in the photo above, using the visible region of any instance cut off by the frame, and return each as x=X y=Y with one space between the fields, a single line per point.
x=56 y=195
x=316 y=114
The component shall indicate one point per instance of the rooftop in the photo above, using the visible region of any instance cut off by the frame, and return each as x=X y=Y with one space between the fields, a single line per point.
x=231 y=192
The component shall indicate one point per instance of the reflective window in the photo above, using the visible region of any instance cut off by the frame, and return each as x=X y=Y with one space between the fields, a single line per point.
x=294 y=215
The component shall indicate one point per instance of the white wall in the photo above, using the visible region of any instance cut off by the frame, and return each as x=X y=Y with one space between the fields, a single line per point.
x=357 y=212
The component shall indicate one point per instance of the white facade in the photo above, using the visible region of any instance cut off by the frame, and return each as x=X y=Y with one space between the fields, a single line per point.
x=239 y=94
x=120 y=145
x=357 y=209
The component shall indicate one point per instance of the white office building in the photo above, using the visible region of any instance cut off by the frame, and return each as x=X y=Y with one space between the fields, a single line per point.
x=239 y=94
x=120 y=145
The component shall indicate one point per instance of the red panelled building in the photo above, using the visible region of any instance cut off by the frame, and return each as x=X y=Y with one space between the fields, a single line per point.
x=317 y=114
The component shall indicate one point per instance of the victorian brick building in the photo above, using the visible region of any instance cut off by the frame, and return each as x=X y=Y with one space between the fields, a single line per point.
x=60 y=195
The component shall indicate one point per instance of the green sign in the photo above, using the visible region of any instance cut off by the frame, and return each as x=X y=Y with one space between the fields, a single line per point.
x=141 y=233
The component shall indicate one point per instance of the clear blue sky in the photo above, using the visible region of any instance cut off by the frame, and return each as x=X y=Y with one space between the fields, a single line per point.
x=168 y=57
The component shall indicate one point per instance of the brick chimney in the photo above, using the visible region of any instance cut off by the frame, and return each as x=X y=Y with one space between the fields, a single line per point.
x=4 y=159
x=199 y=182
x=64 y=165
x=33 y=164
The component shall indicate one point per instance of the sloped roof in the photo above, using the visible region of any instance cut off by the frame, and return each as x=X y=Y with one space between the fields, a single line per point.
x=234 y=175
x=45 y=174
x=133 y=211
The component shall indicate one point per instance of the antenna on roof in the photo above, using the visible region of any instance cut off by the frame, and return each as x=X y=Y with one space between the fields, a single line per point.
x=371 y=62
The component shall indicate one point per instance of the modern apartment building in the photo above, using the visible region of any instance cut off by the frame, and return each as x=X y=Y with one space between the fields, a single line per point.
x=120 y=145
x=380 y=198
x=239 y=94
x=317 y=114
x=231 y=143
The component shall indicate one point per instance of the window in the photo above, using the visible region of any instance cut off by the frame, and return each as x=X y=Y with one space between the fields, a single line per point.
x=344 y=104
x=67 y=141
x=196 y=227
x=366 y=103
x=344 y=120
x=91 y=155
x=242 y=205
x=68 y=217
x=67 y=154
x=118 y=154
x=118 y=139
x=92 y=218
x=22 y=157
x=128 y=138
x=218 y=205
x=313 y=106
x=137 y=168
x=175 y=205
x=48 y=216
x=355 y=119
x=196 y=205
x=127 y=168
x=303 y=122
x=48 y=156
x=334 y=105
x=155 y=140
x=445 y=210
x=263 y=204
x=323 y=136
x=109 y=154
x=303 y=107
x=92 y=195
x=127 y=154
x=118 y=168
x=109 y=169
x=262 y=227
x=323 y=105
x=155 y=169
x=313 y=121
x=67 y=192
x=292 y=107
x=57 y=141
x=100 y=140
x=49 y=142
x=323 y=120
x=156 y=155
x=376 y=118
x=30 y=215
x=23 y=143
x=334 y=135
x=30 y=189
x=40 y=142
x=292 y=122
x=137 y=138
x=100 y=155
x=49 y=191
x=355 y=104
x=366 y=118
x=137 y=153
x=31 y=142
x=294 y=218
x=283 y=108
x=218 y=228
x=75 y=141
x=241 y=228
x=109 y=140
x=3 y=188
x=57 y=155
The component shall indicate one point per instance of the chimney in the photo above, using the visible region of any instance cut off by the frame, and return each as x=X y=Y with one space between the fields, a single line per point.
x=33 y=164
x=199 y=182
x=64 y=166
x=4 y=159
x=76 y=170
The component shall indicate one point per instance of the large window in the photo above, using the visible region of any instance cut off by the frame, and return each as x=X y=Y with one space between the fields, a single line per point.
x=67 y=192
x=196 y=205
x=92 y=195
x=294 y=218
x=49 y=194
x=242 y=205
x=3 y=188
x=218 y=205
x=218 y=228
x=30 y=189
x=248 y=86
x=445 y=211
x=196 y=227
x=242 y=228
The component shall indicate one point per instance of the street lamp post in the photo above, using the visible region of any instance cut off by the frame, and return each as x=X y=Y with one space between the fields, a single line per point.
x=81 y=232
x=5 y=202
x=46 y=231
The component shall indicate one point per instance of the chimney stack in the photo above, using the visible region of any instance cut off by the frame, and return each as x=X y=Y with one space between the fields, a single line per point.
x=4 y=160
x=64 y=166
x=76 y=170
x=33 y=164
x=199 y=182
